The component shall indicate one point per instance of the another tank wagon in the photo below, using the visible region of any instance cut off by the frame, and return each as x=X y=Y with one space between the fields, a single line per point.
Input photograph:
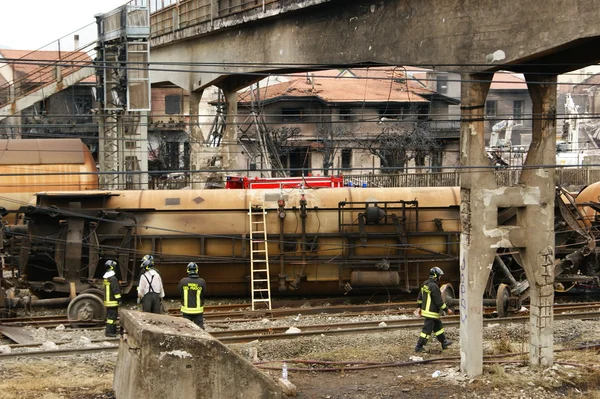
x=29 y=166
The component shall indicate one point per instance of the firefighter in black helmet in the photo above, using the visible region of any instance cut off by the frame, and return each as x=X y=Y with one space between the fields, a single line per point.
x=430 y=304
x=112 y=298
x=150 y=288
x=192 y=289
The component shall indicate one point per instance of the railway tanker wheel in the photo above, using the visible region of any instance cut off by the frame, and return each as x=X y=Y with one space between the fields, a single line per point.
x=448 y=295
x=503 y=300
x=95 y=291
x=86 y=310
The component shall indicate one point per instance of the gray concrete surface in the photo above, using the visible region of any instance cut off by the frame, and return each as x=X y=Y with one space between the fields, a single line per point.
x=165 y=357
x=455 y=35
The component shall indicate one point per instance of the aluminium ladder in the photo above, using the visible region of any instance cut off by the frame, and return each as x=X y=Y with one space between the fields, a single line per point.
x=259 y=257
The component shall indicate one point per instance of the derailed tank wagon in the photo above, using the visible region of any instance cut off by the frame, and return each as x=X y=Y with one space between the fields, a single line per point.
x=320 y=242
x=325 y=241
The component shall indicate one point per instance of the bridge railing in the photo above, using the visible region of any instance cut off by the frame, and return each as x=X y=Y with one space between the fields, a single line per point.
x=170 y=15
x=564 y=177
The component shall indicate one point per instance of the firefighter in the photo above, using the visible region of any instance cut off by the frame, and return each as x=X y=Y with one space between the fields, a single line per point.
x=430 y=304
x=192 y=289
x=112 y=298
x=150 y=288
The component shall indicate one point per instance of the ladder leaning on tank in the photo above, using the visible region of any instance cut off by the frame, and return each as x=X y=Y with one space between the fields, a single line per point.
x=259 y=257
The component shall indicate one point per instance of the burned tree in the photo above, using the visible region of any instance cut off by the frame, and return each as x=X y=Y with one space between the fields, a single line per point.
x=329 y=138
x=401 y=141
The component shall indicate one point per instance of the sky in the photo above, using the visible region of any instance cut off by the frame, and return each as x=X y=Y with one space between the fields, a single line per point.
x=33 y=24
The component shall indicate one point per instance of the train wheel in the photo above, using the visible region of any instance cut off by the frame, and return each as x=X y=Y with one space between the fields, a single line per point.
x=95 y=291
x=503 y=300
x=448 y=295
x=86 y=310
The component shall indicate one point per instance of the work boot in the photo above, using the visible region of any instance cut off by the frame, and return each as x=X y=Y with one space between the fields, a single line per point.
x=420 y=344
x=111 y=331
x=446 y=343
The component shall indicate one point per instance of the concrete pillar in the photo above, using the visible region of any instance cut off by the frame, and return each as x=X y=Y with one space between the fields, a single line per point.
x=142 y=151
x=196 y=139
x=538 y=256
x=230 y=135
x=476 y=256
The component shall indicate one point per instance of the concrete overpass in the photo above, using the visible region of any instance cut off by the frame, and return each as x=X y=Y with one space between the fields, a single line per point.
x=455 y=35
x=227 y=43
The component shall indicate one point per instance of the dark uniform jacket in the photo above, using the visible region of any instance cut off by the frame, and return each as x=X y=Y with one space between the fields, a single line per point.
x=430 y=300
x=112 y=290
x=192 y=294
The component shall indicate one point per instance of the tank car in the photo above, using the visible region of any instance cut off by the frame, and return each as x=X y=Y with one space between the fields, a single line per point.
x=29 y=166
x=320 y=242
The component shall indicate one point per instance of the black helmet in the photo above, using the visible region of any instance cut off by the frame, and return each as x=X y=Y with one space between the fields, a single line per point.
x=436 y=272
x=110 y=265
x=192 y=268
x=147 y=262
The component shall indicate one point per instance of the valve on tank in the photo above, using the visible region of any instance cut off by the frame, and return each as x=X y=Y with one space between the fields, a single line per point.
x=372 y=215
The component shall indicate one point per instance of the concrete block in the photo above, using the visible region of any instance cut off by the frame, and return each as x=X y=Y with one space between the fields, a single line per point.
x=287 y=387
x=165 y=357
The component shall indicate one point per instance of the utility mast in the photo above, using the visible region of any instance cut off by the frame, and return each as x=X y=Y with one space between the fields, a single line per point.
x=123 y=91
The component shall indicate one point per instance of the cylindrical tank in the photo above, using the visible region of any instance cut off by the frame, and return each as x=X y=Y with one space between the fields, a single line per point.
x=27 y=166
x=589 y=194
x=412 y=228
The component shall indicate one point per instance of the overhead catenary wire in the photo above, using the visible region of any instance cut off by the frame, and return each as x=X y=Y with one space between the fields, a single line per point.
x=185 y=125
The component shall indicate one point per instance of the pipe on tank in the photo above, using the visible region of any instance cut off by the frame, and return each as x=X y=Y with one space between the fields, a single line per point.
x=375 y=279
x=303 y=215
x=281 y=217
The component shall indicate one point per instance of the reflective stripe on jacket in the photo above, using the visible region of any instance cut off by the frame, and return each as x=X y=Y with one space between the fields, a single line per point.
x=192 y=295
x=112 y=292
x=430 y=300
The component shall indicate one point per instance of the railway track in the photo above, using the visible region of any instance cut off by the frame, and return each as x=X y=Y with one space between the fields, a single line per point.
x=279 y=333
x=235 y=313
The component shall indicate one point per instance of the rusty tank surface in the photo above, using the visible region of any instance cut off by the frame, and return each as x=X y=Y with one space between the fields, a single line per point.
x=329 y=241
x=29 y=166
x=322 y=241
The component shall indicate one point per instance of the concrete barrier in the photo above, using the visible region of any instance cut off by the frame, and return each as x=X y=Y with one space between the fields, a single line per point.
x=164 y=357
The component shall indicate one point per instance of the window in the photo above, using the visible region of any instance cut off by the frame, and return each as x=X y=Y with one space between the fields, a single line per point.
x=518 y=107
x=491 y=108
x=186 y=155
x=345 y=114
x=291 y=114
x=172 y=104
x=172 y=160
x=346 y=158
x=130 y=145
x=442 y=84
x=391 y=113
x=83 y=104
